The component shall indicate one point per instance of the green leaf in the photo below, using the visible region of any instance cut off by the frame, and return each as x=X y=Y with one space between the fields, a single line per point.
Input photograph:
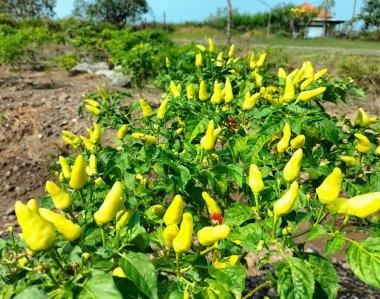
x=31 y=292
x=295 y=280
x=232 y=277
x=364 y=260
x=139 y=269
x=237 y=213
x=328 y=130
x=318 y=231
x=325 y=275
x=236 y=174
x=250 y=236
x=333 y=245
x=194 y=126
x=99 y=285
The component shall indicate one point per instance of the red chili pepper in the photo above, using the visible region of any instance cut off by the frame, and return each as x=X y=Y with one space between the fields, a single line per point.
x=233 y=126
x=231 y=120
x=217 y=217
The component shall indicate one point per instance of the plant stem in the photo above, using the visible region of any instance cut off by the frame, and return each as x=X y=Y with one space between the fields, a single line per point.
x=264 y=284
x=257 y=204
x=345 y=221
x=177 y=256
x=275 y=218
x=53 y=254
x=103 y=234
x=207 y=250
x=320 y=213
x=70 y=212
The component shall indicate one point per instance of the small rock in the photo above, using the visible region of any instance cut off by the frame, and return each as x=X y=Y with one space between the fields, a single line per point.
x=8 y=173
x=15 y=168
x=40 y=136
x=20 y=191
x=10 y=211
x=9 y=188
x=64 y=122
x=11 y=217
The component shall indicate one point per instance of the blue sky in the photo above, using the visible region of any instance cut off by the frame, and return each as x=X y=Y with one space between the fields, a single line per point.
x=197 y=10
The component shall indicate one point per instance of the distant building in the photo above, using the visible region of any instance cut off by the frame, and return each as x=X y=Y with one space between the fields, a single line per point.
x=322 y=25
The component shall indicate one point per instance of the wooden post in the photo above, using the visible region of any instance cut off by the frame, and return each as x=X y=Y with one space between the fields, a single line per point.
x=229 y=12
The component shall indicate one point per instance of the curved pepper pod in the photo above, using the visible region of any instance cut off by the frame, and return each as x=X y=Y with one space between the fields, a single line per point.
x=62 y=200
x=71 y=138
x=198 y=60
x=182 y=242
x=112 y=204
x=96 y=135
x=209 y=235
x=212 y=205
x=363 y=120
x=170 y=232
x=190 y=91
x=289 y=92
x=122 y=132
x=309 y=70
x=124 y=219
x=260 y=62
x=320 y=74
x=38 y=233
x=285 y=204
x=283 y=144
x=281 y=74
x=203 y=95
x=293 y=167
x=211 y=46
x=66 y=170
x=231 y=52
x=174 y=89
x=162 y=109
x=92 y=109
x=338 y=206
x=147 y=139
x=92 y=168
x=350 y=161
x=255 y=179
x=174 y=212
x=250 y=101
x=79 y=176
x=219 y=59
x=306 y=96
x=216 y=97
x=146 y=109
x=87 y=143
x=364 y=145
x=329 y=190
x=69 y=230
x=364 y=205
x=228 y=94
x=208 y=142
x=298 y=141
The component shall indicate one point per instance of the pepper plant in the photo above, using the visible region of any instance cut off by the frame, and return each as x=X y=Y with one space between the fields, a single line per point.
x=234 y=160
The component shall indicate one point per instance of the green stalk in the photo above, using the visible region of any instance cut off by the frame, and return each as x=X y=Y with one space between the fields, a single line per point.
x=275 y=218
x=264 y=284
x=54 y=256
x=177 y=257
x=103 y=234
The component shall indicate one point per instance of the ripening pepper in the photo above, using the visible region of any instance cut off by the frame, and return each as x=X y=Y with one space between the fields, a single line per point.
x=350 y=161
x=250 y=101
x=71 y=139
x=38 y=233
x=255 y=179
x=66 y=170
x=309 y=95
x=62 y=200
x=203 y=95
x=103 y=94
x=289 y=92
x=122 y=132
x=87 y=143
x=91 y=169
x=190 y=91
x=198 y=60
x=364 y=145
x=298 y=141
x=329 y=190
x=231 y=52
x=364 y=205
x=174 y=89
x=124 y=218
x=112 y=204
x=216 y=97
x=285 y=204
x=79 y=176
x=292 y=168
x=363 y=120
x=283 y=144
x=155 y=211
x=92 y=109
x=69 y=230
x=212 y=205
x=306 y=83
x=260 y=62
x=162 y=109
x=209 y=235
x=219 y=59
x=182 y=241
x=319 y=74
x=338 y=206
x=170 y=232
x=147 y=139
x=146 y=109
x=33 y=205
x=174 y=212
x=211 y=46
x=118 y=272
x=228 y=94
x=96 y=135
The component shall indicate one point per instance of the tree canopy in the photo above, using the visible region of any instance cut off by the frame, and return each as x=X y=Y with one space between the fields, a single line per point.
x=28 y=8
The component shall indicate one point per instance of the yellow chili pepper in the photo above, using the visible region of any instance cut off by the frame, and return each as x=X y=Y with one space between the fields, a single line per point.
x=309 y=95
x=208 y=141
x=281 y=75
x=62 y=200
x=283 y=144
x=112 y=204
x=250 y=101
x=167 y=62
x=174 y=212
x=329 y=190
x=350 y=161
x=363 y=120
x=147 y=139
x=92 y=103
x=292 y=75
x=33 y=205
x=211 y=46
x=209 y=235
x=190 y=91
x=23 y=261
x=146 y=109
x=201 y=47
x=182 y=241
x=162 y=109
x=103 y=94
x=299 y=76
x=198 y=60
x=38 y=234
x=99 y=181
x=289 y=92
x=122 y=132
x=118 y=272
x=66 y=170
x=216 y=97
x=252 y=61
x=258 y=79
x=69 y=230
x=231 y=52
x=309 y=70
x=212 y=205
x=170 y=232
x=378 y=150
x=228 y=94
x=71 y=139
x=219 y=59
x=174 y=89
x=96 y=135
x=298 y=141
x=285 y=204
x=79 y=177
x=320 y=74
x=364 y=205
x=292 y=168
x=338 y=206
x=255 y=179
x=306 y=83
x=92 y=109
x=261 y=60
x=155 y=211
x=87 y=143
x=91 y=169
x=203 y=95
x=364 y=145
x=124 y=219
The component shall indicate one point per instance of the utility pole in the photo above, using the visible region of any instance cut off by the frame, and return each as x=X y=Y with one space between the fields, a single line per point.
x=229 y=12
x=352 y=20
x=269 y=17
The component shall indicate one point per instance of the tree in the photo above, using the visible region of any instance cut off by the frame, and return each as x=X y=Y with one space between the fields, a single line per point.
x=370 y=15
x=117 y=12
x=28 y=8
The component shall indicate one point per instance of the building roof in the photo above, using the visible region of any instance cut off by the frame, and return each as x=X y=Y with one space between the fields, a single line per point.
x=313 y=9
